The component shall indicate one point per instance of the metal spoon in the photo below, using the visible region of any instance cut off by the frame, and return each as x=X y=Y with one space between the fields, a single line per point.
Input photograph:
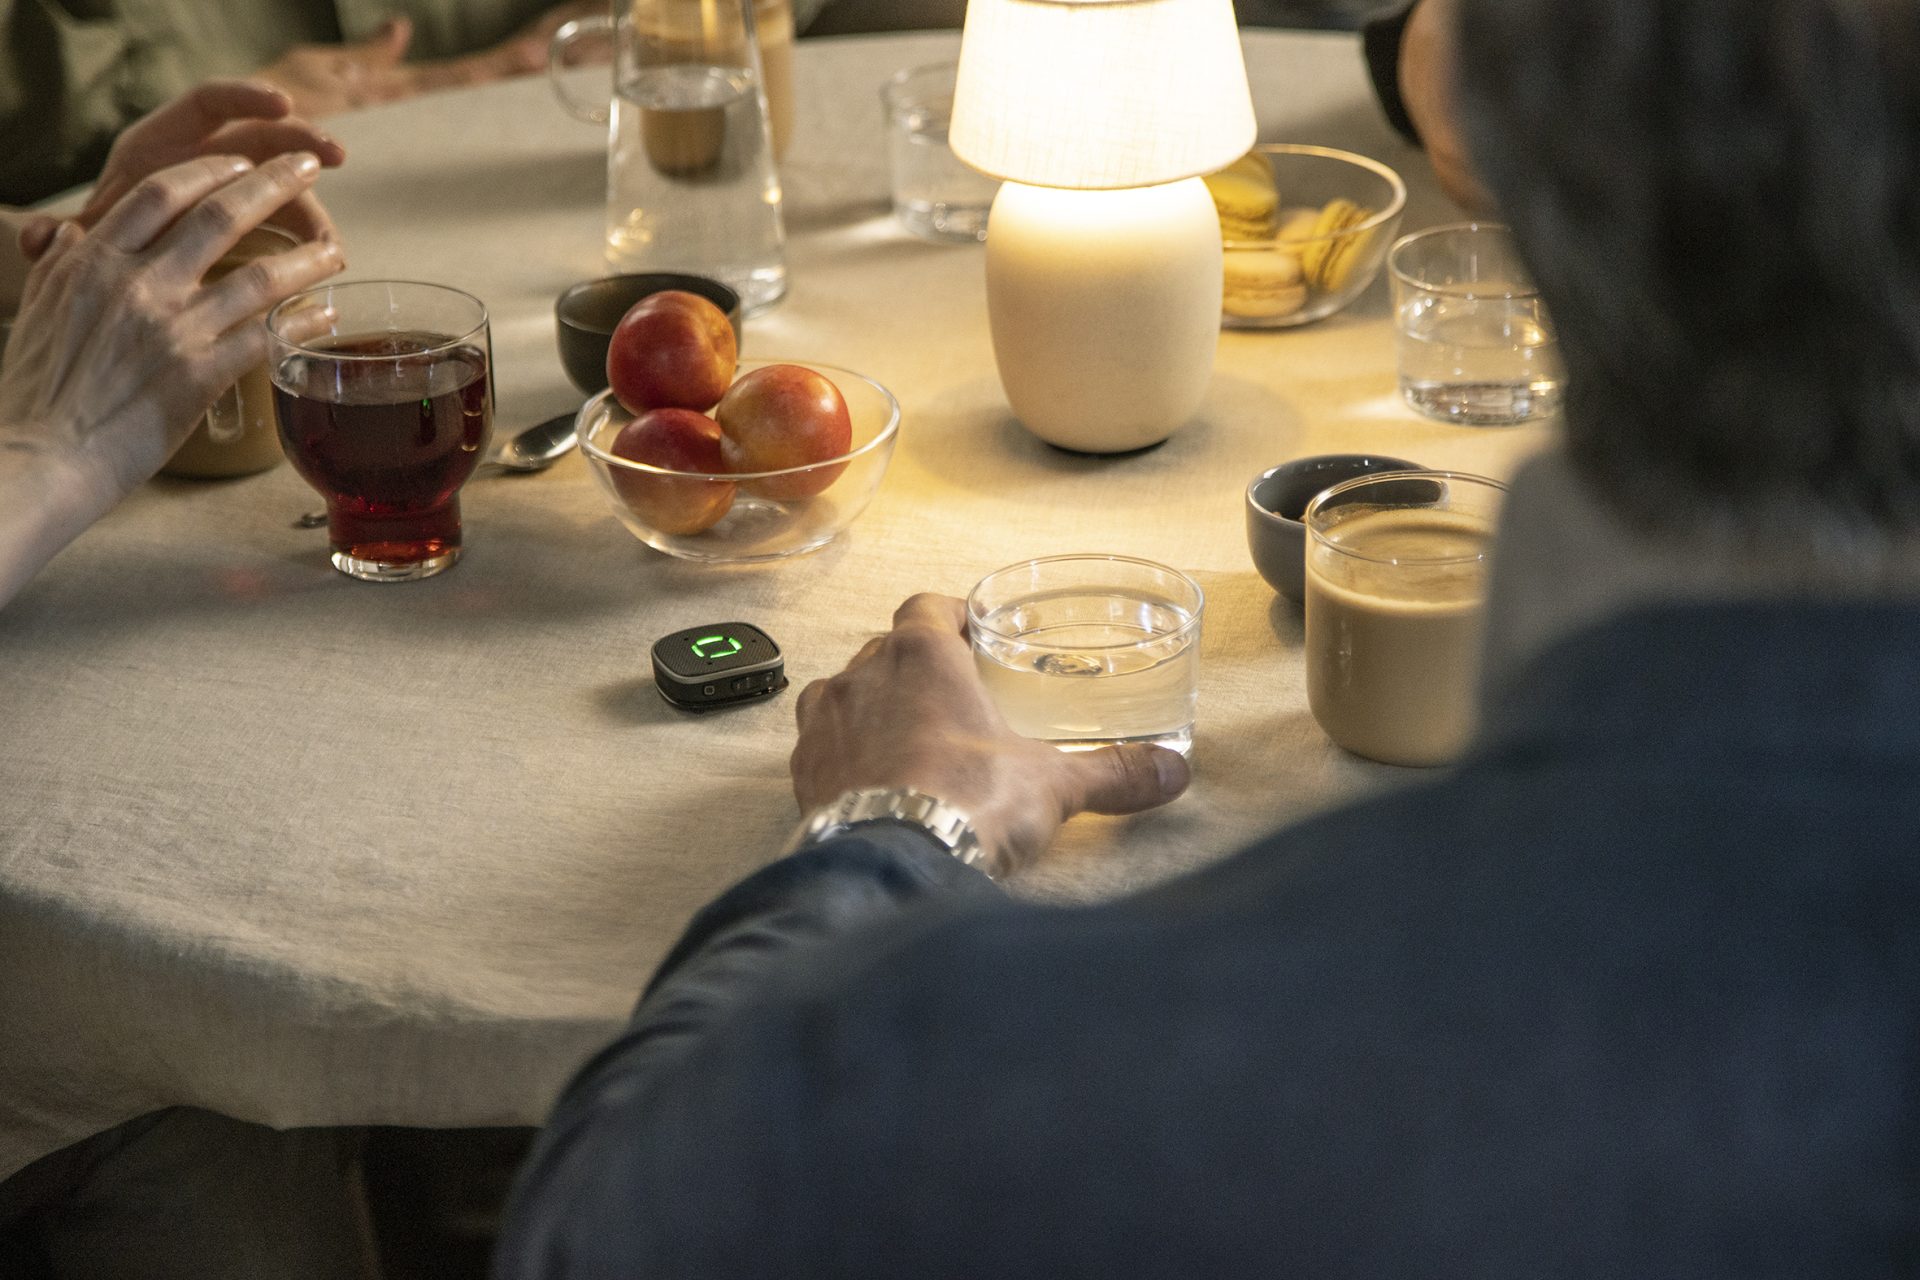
x=534 y=449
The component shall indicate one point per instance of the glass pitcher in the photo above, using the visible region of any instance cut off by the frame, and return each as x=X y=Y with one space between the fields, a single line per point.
x=702 y=102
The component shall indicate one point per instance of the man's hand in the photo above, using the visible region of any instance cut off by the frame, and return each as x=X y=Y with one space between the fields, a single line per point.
x=910 y=711
x=1426 y=87
x=325 y=79
x=220 y=117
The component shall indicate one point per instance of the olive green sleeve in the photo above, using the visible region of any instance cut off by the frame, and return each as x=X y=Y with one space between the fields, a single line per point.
x=67 y=86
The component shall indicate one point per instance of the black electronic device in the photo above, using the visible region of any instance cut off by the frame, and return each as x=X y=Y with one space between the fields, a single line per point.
x=717 y=665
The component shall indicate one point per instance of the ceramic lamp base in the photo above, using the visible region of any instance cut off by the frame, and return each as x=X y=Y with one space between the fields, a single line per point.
x=1105 y=310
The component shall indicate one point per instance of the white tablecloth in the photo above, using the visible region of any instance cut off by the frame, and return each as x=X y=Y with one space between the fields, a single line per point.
x=309 y=851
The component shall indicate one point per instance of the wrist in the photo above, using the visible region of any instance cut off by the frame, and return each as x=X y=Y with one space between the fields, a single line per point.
x=47 y=499
x=945 y=824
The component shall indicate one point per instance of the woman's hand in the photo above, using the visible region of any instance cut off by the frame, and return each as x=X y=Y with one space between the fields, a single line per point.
x=910 y=711
x=119 y=348
x=218 y=118
x=324 y=79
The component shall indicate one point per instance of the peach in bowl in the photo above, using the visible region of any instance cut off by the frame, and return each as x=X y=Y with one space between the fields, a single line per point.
x=734 y=487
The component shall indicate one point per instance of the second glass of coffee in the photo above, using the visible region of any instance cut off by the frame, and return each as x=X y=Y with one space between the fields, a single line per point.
x=385 y=406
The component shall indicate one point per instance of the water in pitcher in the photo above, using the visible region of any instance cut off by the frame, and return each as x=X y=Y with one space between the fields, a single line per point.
x=692 y=186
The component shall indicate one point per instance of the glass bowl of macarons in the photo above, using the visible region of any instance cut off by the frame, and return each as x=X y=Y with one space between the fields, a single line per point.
x=1305 y=230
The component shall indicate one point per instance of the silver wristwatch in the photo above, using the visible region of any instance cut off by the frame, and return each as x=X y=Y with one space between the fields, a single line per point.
x=944 y=822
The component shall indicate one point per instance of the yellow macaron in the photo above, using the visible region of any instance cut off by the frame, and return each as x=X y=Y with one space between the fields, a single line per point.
x=1262 y=284
x=1245 y=197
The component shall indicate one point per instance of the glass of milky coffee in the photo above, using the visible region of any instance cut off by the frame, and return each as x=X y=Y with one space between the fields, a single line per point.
x=1396 y=583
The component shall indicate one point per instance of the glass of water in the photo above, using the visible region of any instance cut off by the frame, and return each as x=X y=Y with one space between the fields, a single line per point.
x=1090 y=651
x=1476 y=346
x=935 y=196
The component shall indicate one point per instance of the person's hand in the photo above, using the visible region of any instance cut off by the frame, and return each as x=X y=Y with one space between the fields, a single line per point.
x=910 y=711
x=326 y=79
x=1426 y=87
x=118 y=348
x=220 y=117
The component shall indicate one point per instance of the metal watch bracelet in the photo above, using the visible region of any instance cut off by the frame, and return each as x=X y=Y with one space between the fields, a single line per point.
x=946 y=823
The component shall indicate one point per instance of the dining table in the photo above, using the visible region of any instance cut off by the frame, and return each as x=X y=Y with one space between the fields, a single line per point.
x=306 y=850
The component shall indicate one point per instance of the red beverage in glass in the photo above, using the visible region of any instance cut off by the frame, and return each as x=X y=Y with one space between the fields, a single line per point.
x=387 y=426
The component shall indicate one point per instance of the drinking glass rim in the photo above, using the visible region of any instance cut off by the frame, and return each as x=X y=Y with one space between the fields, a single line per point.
x=1457 y=290
x=977 y=620
x=898 y=80
x=305 y=348
x=1318 y=500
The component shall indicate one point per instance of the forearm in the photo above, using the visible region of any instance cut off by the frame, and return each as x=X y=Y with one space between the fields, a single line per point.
x=651 y=1094
x=734 y=946
x=46 y=501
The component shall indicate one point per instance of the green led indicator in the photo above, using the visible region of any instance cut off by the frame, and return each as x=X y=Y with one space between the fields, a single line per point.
x=713 y=647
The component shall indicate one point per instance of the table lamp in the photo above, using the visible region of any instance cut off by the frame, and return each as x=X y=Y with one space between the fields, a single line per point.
x=1103 y=247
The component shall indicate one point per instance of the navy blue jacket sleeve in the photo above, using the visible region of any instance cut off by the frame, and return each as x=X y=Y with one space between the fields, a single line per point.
x=692 y=1108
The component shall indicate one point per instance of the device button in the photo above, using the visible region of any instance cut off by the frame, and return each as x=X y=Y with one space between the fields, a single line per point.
x=708 y=691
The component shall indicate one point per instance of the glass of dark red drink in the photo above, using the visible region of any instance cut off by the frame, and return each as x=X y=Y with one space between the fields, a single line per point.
x=384 y=400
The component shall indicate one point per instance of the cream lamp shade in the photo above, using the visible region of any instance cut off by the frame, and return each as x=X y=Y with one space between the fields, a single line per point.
x=1103 y=257
x=1100 y=94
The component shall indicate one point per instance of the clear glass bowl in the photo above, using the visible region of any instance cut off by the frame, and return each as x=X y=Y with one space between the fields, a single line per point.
x=1293 y=279
x=760 y=524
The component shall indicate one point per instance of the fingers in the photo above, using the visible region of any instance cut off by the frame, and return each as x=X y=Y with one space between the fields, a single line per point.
x=1123 y=779
x=262 y=140
x=158 y=200
x=388 y=45
x=173 y=132
x=213 y=103
x=248 y=292
x=804 y=704
x=59 y=244
x=307 y=219
x=36 y=234
x=215 y=223
x=942 y=613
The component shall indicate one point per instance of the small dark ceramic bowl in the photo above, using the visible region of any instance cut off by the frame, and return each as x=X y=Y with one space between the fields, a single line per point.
x=588 y=313
x=1277 y=498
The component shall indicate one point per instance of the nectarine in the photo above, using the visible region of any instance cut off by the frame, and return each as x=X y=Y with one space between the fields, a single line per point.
x=780 y=416
x=676 y=440
x=672 y=350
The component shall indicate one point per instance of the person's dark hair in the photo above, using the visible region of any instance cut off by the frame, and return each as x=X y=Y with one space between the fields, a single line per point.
x=1721 y=202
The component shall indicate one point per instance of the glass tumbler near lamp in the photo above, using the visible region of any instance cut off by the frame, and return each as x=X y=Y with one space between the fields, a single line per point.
x=385 y=407
x=935 y=194
x=1475 y=343
x=1089 y=651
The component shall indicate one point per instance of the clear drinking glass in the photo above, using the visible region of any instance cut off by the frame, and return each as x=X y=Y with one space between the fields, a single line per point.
x=1090 y=651
x=1475 y=343
x=700 y=97
x=935 y=195
x=1396 y=580
x=384 y=407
